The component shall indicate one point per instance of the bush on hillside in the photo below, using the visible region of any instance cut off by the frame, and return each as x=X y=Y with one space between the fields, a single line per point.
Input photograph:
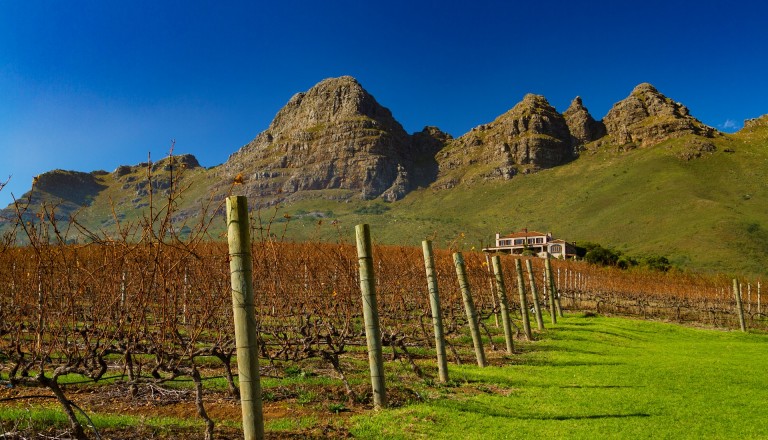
x=595 y=253
x=602 y=256
x=658 y=262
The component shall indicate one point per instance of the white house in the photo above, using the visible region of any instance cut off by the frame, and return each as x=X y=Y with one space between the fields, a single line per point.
x=540 y=244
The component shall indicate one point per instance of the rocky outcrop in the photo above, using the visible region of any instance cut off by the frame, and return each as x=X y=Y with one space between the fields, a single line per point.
x=756 y=123
x=183 y=161
x=425 y=145
x=646 y=117
x=696 y=148
x=69 y=186
x=62 y=192
x=530 y=136
x=334 y=136
x=583 y=127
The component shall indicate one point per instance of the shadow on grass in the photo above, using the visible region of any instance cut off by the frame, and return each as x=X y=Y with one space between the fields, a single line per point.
x=469 y=407
x=600 y=332
x=549 y=363
x=587 y=323
x=542 y=348
x=602 y=386
x=595 y=416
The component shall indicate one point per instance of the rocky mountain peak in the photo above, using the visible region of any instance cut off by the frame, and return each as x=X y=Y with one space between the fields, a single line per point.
x=333 y=136
x=644 y=88
x=576 y=105
x=647 y=117
x=330 y=101
x=756 y=123
x=534 y=115
x=581 y=124
x=57 y=182
x=531 y=99
x=530 y=136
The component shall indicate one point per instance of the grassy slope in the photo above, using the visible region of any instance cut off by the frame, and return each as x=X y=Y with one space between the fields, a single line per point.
x=707 y=213
x=602 y=378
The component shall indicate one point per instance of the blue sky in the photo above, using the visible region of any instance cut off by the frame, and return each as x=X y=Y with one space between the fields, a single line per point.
x=89 y=85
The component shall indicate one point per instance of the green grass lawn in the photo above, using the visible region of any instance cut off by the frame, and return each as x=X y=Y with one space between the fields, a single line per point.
x=595 y=377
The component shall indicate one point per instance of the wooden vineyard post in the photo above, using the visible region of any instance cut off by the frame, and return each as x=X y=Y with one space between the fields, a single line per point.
x=240 y=268
x=739 y=307
x=535 y=295
x=469 y=308
x=554 y=297
x=371 y=314
x=549 y=288
x=502 y=291
x=185 y=295
x=491 y=282
x=545 y=290
x=523 y=301
x=759 y=311
x=434 y=302
x=122 y=292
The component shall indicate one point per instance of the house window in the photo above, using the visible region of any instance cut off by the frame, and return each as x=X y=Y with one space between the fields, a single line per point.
x=530 y=241
x=519 y=241
x=539 y=240
x=555 y=249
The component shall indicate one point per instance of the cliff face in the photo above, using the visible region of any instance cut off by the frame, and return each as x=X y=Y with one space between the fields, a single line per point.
x=69 y=186
x=581 y=124
x=646 y=117
x=756 y=124
x=334 y=136
x=529 y=137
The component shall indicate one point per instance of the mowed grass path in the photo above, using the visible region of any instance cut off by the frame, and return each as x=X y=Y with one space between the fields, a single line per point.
x=596 y=378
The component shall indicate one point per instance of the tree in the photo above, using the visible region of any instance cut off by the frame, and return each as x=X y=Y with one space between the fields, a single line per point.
x=658 y=262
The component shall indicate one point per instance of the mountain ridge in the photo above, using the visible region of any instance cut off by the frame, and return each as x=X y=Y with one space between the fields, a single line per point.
x=536 y=136
x=336 y=146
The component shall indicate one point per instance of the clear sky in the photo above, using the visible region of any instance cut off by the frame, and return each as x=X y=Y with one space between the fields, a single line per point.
x=89 y=85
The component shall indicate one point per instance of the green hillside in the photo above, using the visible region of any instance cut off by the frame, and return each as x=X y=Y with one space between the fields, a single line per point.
x=707 y=213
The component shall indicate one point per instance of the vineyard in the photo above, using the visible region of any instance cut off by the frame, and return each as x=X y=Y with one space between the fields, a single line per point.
x=137 y=312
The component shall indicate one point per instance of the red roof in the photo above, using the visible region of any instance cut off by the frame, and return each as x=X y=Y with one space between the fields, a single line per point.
x=522 y=234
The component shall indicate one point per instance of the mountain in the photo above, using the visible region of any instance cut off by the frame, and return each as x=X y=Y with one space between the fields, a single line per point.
x=529 y=137
x=646 y=117
x=336 y=136
x=647 y=179
x=581 y=124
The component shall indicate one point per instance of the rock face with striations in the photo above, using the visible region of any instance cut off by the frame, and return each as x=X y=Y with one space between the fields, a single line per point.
x=334 y=136
x=581 y=124
x=530 y=136
x=646 y=117
x=756 y=123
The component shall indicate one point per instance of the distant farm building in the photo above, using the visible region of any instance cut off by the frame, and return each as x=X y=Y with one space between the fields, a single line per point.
x=536 y=242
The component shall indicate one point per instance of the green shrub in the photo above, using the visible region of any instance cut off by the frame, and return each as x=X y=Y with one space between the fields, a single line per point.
x=602 y=256
x=372 y=209
x=658 y=262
